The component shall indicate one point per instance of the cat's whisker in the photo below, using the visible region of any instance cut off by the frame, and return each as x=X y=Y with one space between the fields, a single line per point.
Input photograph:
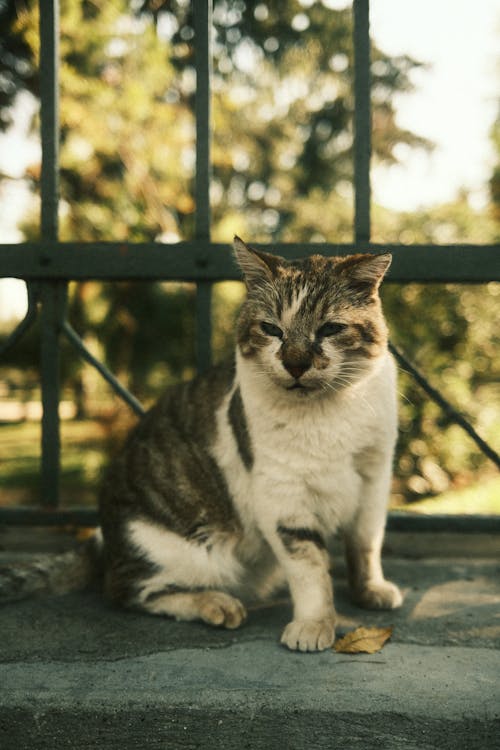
x=405 y=398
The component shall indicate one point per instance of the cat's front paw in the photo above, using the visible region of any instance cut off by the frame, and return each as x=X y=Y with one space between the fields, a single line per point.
x=309 y=635
x=383 y=595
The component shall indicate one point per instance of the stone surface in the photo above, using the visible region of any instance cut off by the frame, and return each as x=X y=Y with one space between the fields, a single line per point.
x=76 y=673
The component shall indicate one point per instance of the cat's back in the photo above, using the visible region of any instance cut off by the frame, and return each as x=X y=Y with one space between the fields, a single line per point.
x=167 y=455
x=190 y=408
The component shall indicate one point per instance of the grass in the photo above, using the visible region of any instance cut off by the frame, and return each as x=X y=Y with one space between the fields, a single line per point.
x=84 y=454
x=480 y=498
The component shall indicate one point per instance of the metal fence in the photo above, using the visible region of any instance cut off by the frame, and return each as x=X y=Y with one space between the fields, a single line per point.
x=48 y=266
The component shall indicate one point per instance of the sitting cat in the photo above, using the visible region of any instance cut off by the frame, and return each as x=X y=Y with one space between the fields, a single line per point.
x=233 y=483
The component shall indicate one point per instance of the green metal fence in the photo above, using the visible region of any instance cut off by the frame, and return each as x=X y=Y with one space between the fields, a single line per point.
x=49 y=265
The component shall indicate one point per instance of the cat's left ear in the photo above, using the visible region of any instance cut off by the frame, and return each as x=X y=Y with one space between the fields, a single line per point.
x=257 y=267
x=367 y=269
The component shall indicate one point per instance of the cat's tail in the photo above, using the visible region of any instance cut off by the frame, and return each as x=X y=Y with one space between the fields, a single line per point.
x=57 y=573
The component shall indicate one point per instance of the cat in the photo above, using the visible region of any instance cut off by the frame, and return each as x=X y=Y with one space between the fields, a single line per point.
x=233 y=483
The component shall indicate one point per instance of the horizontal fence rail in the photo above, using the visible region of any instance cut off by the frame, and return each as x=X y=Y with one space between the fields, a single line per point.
x=47 y=266
x=201 y=260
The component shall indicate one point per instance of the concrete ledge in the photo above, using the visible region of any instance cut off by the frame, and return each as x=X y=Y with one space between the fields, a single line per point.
x=76 y=673
x=426 y=544
x=256 y=675
x=257 y=696
x=225 y=730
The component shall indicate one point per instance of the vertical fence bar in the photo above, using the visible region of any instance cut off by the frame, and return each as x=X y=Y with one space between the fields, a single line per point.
x=53 y=297
x=203 y=33
x=362 y=121
x=49 y=68
x=52 y=293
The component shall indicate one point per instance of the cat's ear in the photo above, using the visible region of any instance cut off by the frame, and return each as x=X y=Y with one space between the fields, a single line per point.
x=257 y=267
x=365 y=270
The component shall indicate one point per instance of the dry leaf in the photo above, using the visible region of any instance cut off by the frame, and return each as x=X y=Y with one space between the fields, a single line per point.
x=85 y=532
x=363 y=641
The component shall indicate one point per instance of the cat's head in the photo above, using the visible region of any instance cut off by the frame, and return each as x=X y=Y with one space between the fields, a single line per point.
x=313 y=326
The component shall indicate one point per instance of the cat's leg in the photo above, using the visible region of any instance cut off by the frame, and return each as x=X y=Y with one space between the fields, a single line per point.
x=156 y=595
x=168 y=574
x=301 y=551
x=364 y=538
x=211 y=606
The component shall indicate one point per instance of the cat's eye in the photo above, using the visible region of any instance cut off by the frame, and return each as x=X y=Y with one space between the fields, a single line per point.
x=330 y=329
x=271 y=330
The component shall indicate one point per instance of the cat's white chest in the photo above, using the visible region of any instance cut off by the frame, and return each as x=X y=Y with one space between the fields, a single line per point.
x=308 y=461
x=307 y=458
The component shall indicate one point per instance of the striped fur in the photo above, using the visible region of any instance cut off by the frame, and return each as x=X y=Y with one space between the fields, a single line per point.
x=233 y=484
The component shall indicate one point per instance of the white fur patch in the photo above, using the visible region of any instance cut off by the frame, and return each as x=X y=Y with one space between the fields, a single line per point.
x=290 y=312
x=184 y=563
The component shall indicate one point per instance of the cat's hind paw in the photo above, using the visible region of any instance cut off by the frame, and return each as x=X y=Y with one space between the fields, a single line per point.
x=309 y=635
x=383 y=595
x=223 y=610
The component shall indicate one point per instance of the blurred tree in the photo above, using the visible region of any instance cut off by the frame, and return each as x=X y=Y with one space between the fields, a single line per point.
x=126 y=174
x=18 y=66
x=495 y=177
x=283 y=109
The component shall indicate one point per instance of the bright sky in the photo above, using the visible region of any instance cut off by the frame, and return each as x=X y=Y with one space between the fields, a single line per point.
x=456 y=100
x=454 y=105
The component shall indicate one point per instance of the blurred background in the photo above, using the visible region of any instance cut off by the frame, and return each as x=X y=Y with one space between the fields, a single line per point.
x=282 y=102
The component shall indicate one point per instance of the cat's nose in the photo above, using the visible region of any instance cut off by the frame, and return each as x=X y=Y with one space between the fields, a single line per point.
x=296 y=369
x=296 y=358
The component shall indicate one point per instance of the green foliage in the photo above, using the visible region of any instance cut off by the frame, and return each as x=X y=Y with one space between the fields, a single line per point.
x=18 y=53
x=283 y=110
x=124 y=147
x=450 y=333
x=146 y=356
x=495 y=178
x=82 y=462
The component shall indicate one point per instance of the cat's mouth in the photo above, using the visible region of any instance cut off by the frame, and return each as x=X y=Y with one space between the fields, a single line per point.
x=299 y=387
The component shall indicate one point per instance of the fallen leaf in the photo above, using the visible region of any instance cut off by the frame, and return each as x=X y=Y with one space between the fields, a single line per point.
x=85 y=532
x=363 y=641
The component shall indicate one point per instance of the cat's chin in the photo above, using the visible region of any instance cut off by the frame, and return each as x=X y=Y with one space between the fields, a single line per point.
x=301 y=392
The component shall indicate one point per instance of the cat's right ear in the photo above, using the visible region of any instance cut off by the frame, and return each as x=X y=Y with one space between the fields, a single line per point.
x=257 y=267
